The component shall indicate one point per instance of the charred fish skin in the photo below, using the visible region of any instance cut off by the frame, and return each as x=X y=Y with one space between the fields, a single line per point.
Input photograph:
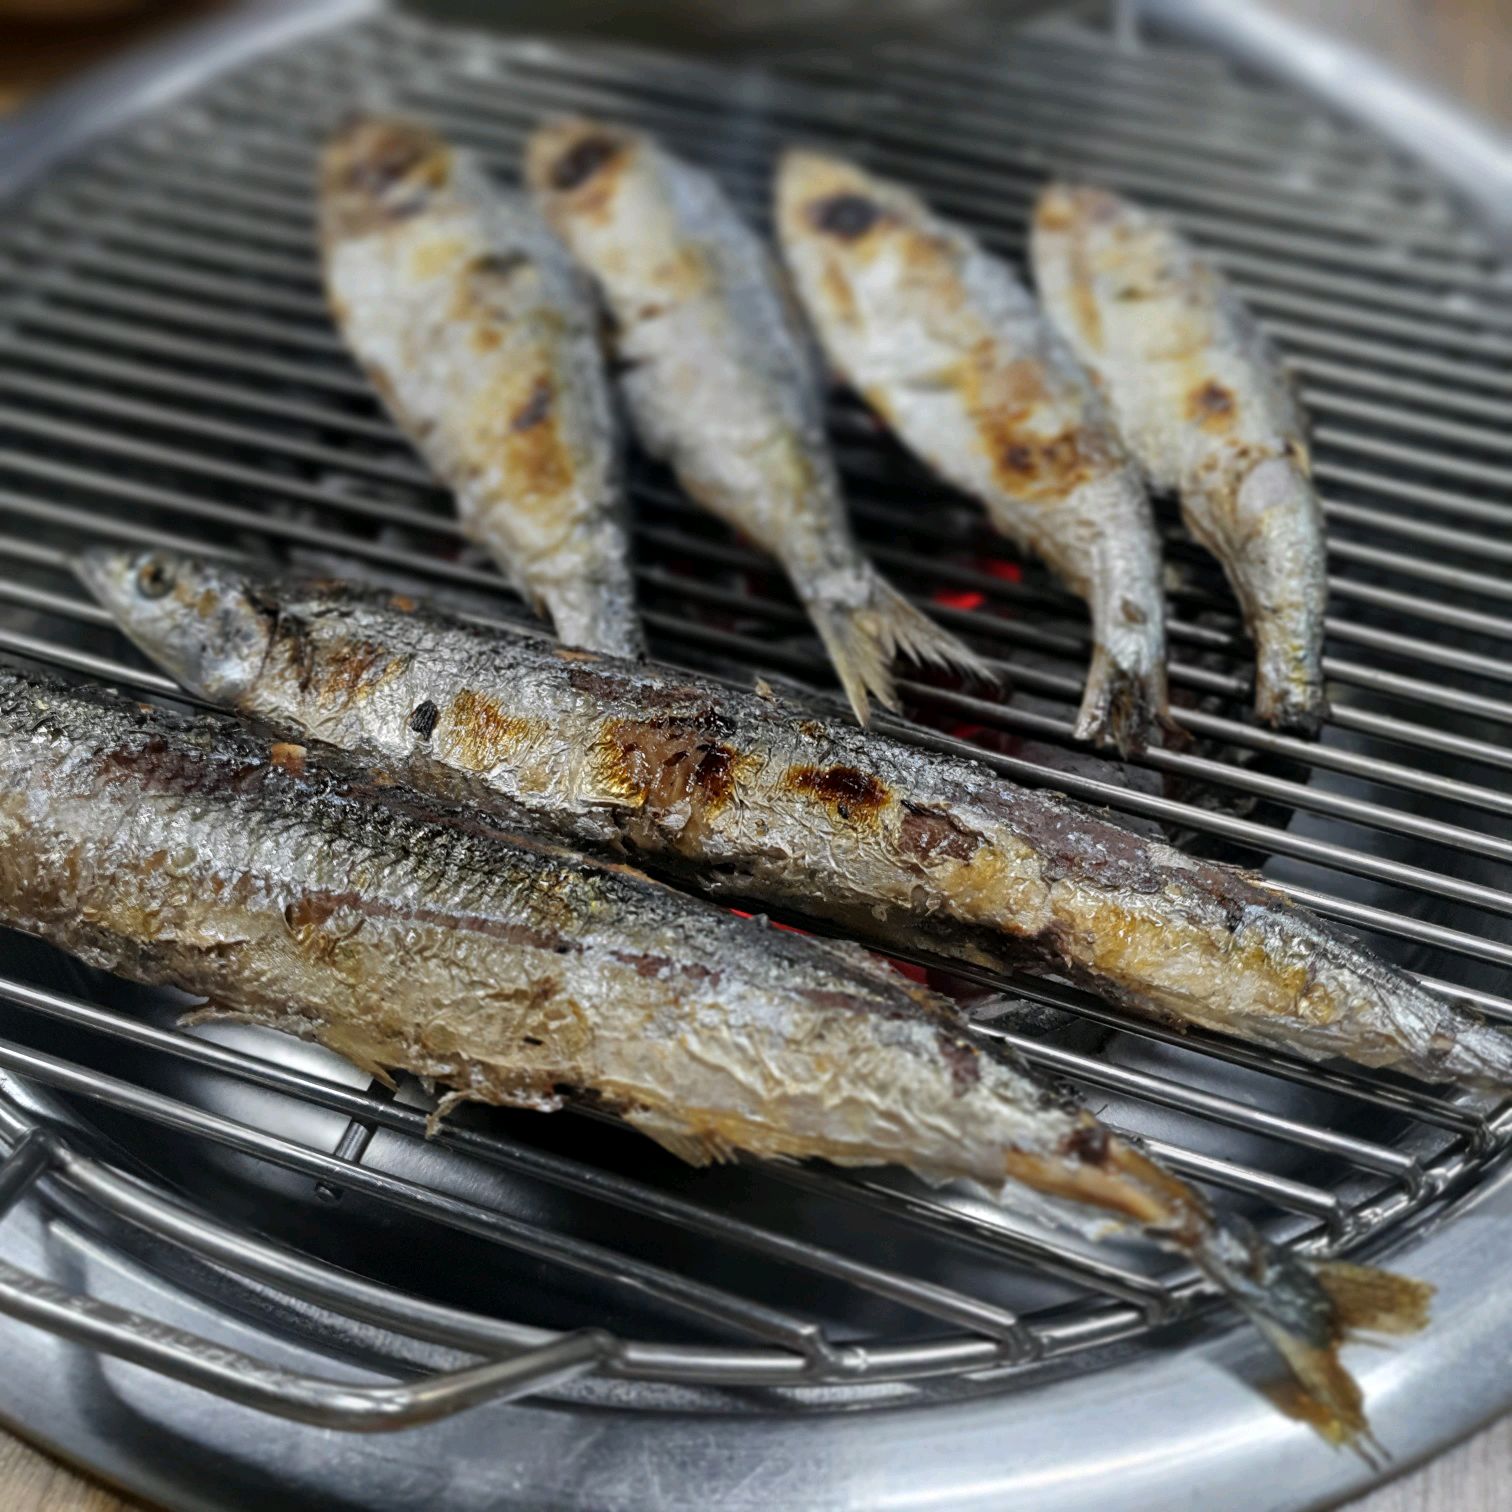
x=1203 y=403
x=296 y=892
x=754 y=801
x=482 y=338
x=946 y=344
x=722 y=384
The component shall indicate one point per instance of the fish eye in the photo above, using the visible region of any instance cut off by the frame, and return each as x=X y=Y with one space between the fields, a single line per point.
x=154 y=579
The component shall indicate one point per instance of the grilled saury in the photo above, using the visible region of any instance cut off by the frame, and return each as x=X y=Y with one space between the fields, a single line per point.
x=1204 y=405
x=483 y=340
x=759 y=801
x=944 y=342
x=722 y=385
x=298 y=892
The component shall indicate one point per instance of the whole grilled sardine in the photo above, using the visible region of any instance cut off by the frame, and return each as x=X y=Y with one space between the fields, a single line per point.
x=722 y=385
x=294 y=891
x=483 y=340
x=1204 y=405
x=944 y=342
x=757 y=801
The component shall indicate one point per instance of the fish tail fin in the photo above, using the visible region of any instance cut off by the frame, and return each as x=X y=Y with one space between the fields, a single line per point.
x=1122 y=701
x=596 y=614
x=1306 y=1311
x=864 y=632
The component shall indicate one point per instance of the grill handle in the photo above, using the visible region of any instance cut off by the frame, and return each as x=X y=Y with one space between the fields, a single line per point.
x=238 y=1377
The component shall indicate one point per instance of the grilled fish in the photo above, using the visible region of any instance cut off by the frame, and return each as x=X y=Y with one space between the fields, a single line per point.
x=295 y=891
x=755 y=801
x=1203 y=404
x=722 y=385
x=946 y=345
x=482 y=338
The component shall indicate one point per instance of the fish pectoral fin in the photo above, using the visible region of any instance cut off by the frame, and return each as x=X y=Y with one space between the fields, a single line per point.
x=675 y=1136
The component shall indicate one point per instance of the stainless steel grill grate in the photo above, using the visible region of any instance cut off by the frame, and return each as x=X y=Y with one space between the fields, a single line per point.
x=168 y=374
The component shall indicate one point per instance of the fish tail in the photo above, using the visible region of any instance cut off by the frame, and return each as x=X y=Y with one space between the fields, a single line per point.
x=865 y=631
x=1307 y=1311
x=1289 y=692
x=1121 y=702
x=596 y=614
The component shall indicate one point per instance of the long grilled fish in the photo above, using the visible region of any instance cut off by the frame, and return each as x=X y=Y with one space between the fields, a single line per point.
x=482 y=337
x=295 y=891
x=756 y=801
x=944 y=342
x=1204 y=405
x=722 y=385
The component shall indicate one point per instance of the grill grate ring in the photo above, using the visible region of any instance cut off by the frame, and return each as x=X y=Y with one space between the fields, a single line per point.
x=169 y=374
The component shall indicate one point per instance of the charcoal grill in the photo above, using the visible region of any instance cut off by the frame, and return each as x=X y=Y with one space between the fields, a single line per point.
x=222 y=1252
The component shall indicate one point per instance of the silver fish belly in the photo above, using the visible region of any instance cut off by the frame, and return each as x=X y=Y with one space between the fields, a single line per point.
x=721 y=383
x=1204 y=405
x=299 y=893
x=946 y=345
x=482 y=339
x=755 y=800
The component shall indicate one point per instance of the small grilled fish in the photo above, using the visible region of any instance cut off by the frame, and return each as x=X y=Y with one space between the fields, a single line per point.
x=297 y=892
x=482 y=338
x=722 y=385
x=1204 y=405
x=758 y=801
x=946 y=345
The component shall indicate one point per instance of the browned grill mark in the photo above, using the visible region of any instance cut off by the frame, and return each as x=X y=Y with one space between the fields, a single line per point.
x=929 y=835
x=423 y=719
x=1040 y=466
x=1212 y=406
x=850 y=793
x=848 y=216
x=478 y=733
x=403 y=603
x=666 y=763
x=535 y=409
x=573 y=168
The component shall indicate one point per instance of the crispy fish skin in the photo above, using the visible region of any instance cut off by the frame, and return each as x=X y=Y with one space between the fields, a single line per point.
x=1203 y=403
x=482 y=338
x=756 y=801
x=944 y=342
x=294 y=892
x=722 y=385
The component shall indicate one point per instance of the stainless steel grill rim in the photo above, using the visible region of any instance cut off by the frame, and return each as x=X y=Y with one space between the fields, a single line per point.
x=169 y=375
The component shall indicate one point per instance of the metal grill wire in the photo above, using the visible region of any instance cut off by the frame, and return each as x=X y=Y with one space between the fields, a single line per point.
x=168 y=375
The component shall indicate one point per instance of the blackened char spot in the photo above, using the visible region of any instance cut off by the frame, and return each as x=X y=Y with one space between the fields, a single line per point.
x=535 y=409
x=851 y=793
x=498 y=264
x=1088 y=1144
x=582 y=160
x=423 y=720
x=965 y=1071
x=848 y=216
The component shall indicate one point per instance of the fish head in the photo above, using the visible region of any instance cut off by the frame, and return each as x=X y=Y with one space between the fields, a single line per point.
x=199 y=619
x=378 y=171
x=571 y=163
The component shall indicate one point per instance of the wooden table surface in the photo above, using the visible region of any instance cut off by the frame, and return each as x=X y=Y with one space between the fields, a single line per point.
x=1464 y=47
